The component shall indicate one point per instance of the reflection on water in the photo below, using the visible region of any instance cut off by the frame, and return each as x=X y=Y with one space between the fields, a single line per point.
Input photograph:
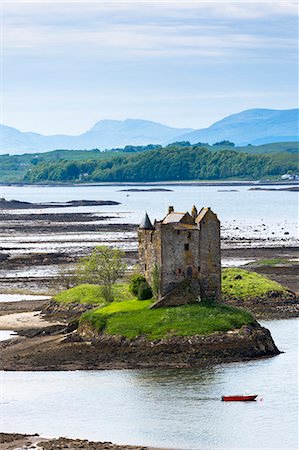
x=170 y=408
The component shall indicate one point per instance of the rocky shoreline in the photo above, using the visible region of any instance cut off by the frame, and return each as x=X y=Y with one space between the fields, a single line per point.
x=52 y=342
x=13 y=441
x=69 y=352
x=16 y=204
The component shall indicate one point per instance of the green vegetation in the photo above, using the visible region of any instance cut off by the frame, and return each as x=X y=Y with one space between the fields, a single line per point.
x=135 y=282
x=198 y=161
x=134 y=318
x=144 y=291
x=140 y=287
x=156 y=280
x=13 y=168
x=92 y=294
x=239 y=283
x=272 y=262
x=104 y=266
x=129 y=317
x=173 y=163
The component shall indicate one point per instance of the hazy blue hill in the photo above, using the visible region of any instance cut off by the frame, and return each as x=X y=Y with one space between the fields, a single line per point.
x=104 y=134
x=13 y=138
x=253 y=126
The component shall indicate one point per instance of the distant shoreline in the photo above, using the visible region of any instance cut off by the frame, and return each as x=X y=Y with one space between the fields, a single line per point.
x=161 y=183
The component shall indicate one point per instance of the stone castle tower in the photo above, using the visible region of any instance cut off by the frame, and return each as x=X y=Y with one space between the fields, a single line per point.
x=184 y=249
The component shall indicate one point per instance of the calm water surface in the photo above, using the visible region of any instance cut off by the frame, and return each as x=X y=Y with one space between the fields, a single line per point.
x=170 y=408
x=241 y=204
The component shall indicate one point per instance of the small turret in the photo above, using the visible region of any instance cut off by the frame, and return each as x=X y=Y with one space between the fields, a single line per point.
x=170 y=209
x=146 y=224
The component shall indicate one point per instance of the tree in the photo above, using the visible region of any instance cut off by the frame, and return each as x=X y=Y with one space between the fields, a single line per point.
x=104 y=266
x=66 y=278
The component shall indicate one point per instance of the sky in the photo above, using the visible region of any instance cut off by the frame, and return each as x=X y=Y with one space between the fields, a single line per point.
x=67 y=64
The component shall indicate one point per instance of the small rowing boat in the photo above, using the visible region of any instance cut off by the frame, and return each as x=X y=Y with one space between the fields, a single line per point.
x=238 y=398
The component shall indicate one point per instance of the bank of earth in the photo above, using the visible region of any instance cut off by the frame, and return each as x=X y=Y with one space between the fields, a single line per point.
x=128 y=330
x=128 y=334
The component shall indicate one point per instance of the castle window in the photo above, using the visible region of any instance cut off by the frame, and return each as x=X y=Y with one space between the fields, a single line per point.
x=144 y=266
x=179 y=232
x=198 y=268
x=186 y=247
x=152 y=235
x=189 y=234
x=179 y=271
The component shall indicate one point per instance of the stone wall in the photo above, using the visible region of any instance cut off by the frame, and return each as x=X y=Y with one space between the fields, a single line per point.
x=210 y=257
x=180 y=255
x=149 y=249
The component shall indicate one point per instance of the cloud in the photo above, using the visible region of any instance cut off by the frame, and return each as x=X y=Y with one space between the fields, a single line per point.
x=167 y=61
x=150 y=30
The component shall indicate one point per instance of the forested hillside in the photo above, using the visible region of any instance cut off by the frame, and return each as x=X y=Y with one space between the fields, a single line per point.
x=172 y=163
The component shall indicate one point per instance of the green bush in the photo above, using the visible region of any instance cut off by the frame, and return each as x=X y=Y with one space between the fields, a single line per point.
x=144 y=291
x=135 y=282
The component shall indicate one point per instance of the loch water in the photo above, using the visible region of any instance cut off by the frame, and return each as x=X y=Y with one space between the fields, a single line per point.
x=167 y=408
x=267 y=212
x=176 y=408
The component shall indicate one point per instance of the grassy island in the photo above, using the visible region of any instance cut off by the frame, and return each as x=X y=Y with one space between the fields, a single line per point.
x=134 y=318
x=129 y=317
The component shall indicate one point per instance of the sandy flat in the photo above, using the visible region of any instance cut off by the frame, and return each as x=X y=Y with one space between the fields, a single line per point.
x=21 y=321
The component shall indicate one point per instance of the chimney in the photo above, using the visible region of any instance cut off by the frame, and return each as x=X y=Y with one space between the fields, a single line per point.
x=194 y=212
x=170 y=209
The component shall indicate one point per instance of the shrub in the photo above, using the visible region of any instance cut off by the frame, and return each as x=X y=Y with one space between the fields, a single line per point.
x=144 y=291
x=135 y=282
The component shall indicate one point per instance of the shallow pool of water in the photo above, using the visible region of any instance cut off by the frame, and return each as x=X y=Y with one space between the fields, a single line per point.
x=20 y=297
x=6 y=334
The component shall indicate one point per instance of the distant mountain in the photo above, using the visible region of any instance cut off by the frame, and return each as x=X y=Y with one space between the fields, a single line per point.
x=104 y=134
x=253 y=126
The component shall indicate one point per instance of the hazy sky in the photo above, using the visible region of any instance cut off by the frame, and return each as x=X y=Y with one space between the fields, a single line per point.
x=68 y=64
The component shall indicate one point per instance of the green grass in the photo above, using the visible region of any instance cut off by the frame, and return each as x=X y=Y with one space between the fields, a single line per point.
x=134 y=318
x=129 y=317
x=250 y=285
x=272 y=262
x=92 y=294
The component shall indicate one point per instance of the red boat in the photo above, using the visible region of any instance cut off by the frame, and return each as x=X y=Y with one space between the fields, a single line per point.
x=238 y=398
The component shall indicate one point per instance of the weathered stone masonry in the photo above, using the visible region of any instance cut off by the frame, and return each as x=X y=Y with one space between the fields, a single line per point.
x=185 y=249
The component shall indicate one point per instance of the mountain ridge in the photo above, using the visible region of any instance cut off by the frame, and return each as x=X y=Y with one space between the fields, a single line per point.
x=253 y=126
x=103 y=134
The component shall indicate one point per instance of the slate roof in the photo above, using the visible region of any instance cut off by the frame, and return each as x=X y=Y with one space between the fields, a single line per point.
x=173 y=217
x=201 y=214
x=146 y=224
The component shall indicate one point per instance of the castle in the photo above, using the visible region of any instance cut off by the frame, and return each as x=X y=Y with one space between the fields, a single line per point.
x=183 y=250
